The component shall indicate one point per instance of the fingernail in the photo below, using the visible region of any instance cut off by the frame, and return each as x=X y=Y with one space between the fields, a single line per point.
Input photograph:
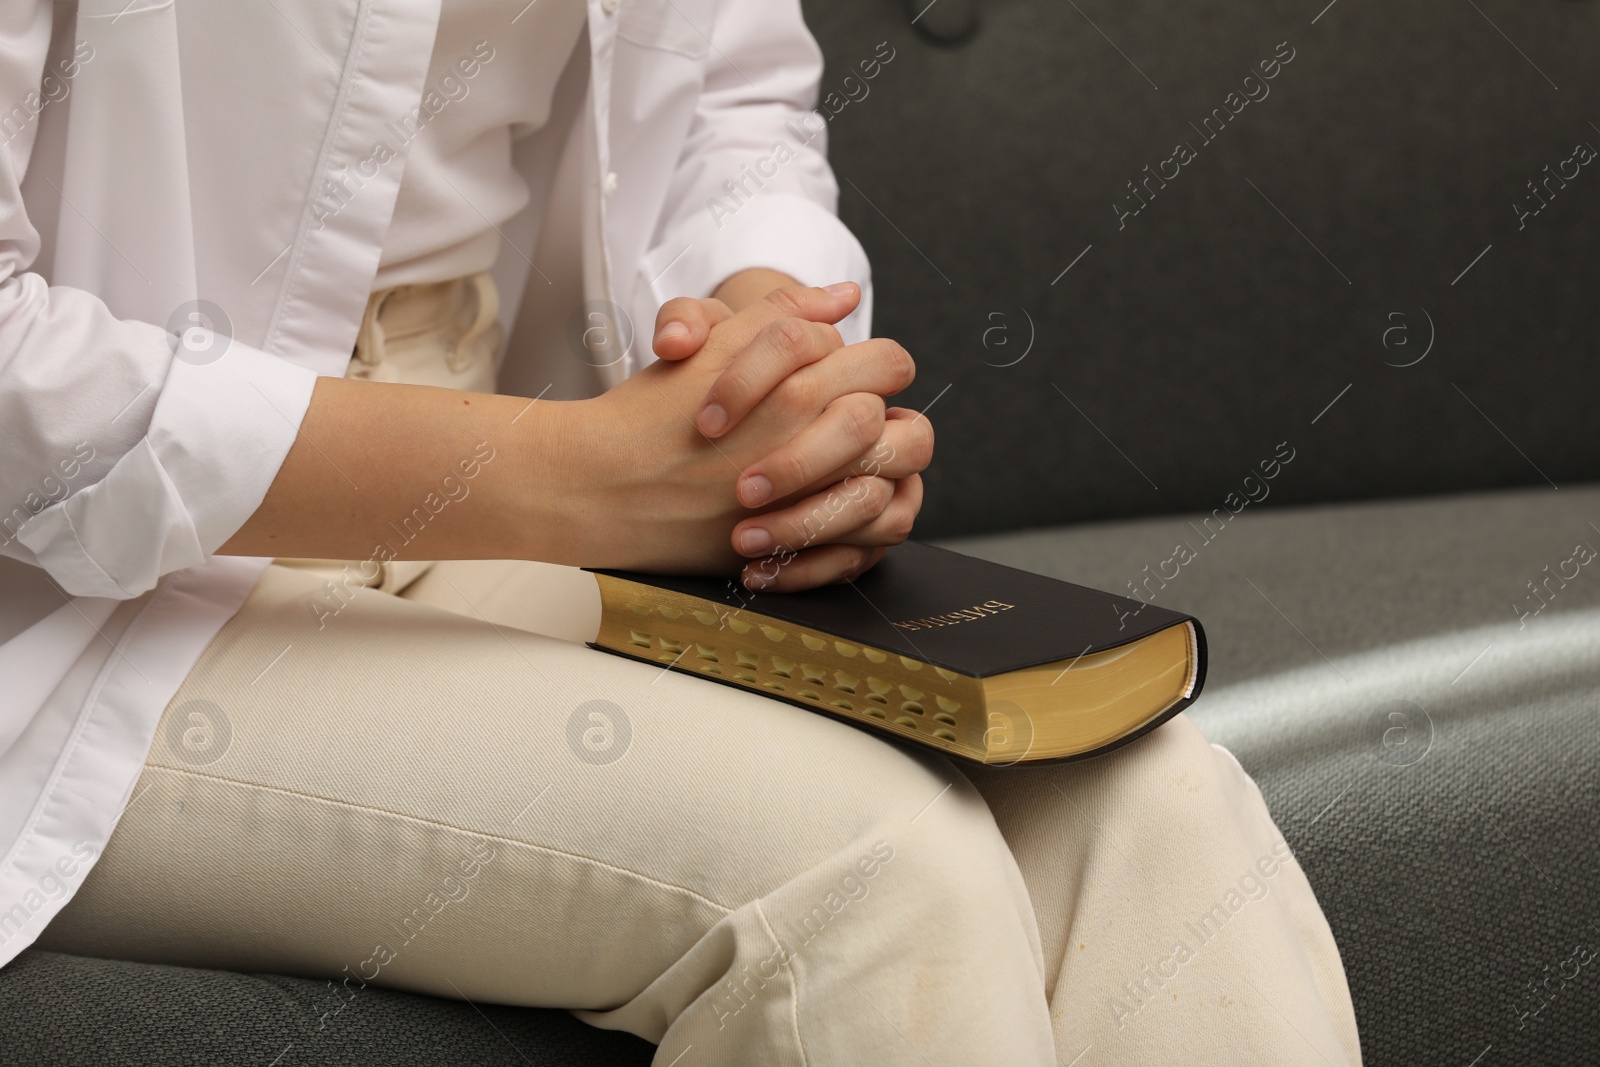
x=755 y=541
x=672 y=331
x=839 y=289
x=755 y=489
x=753 y=580
x=713 y=419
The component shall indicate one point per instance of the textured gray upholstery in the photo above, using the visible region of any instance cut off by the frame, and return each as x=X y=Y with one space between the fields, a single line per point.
x=1209 y=329
x=66 y=1011
x=1167 y=364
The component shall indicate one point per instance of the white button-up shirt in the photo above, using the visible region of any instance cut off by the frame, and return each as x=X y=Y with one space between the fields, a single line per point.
x=181 y=259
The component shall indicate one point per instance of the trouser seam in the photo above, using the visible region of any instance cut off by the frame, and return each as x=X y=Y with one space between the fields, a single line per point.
x=441 y=824
x=794 y=985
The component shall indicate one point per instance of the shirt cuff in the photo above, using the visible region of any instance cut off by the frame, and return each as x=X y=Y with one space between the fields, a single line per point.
x=218 y=436
x=779 y=231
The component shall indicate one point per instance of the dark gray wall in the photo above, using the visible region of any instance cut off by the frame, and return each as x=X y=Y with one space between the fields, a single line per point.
x=1212 y=327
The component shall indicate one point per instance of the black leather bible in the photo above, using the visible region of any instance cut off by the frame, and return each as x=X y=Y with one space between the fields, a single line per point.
x=977 y=660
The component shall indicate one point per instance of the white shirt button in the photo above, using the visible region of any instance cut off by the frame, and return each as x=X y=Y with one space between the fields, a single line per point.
x=608 y=185
x=610 y=6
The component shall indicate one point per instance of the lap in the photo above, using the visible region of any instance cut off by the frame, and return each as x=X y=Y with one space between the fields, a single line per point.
x=542 y=598
x=322 y=784
x=422 y=792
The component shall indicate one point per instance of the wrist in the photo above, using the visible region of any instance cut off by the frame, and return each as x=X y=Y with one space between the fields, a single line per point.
x=553 y=474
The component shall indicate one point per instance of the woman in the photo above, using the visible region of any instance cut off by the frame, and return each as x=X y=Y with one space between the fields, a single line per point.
x=251 y=333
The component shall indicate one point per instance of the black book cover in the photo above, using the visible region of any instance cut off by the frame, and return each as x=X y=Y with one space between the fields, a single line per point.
x=955 y=611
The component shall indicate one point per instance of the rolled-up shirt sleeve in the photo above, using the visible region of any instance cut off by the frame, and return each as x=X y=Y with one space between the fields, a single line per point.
x=755 y=129
x=123 y=455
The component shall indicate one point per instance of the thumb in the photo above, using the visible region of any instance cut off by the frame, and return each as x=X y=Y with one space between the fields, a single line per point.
x=684 y=323
x=827 y=304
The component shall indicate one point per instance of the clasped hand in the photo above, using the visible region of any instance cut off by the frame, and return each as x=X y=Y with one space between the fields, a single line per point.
x=760 y=439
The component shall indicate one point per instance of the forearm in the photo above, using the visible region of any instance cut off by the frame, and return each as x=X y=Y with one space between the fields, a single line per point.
x=434 y=473
x=430 y=473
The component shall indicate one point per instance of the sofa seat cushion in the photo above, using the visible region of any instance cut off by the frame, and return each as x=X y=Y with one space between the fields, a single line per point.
x=65 y=1011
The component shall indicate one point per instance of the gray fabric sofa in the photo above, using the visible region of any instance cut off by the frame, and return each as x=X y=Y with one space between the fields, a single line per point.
x=1405 y=642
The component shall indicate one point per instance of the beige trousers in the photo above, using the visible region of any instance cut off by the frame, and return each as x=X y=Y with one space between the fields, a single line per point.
x=439 y=788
